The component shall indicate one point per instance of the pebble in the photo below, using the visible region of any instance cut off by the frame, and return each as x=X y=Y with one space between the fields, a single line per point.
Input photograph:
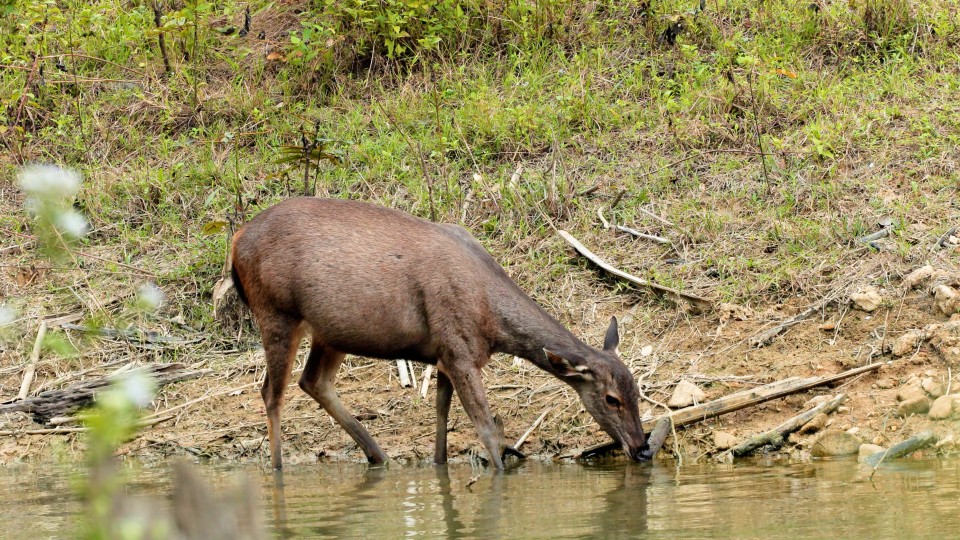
x=910 y=407
x=932 y=387
x=685 y=394
x=723 y=440
x=868 y=450
x=917 y=277
x=944 y=407
x=867 y=299
x=907 y=343
x=835 y=443
x=910 y=392
x=815 y=424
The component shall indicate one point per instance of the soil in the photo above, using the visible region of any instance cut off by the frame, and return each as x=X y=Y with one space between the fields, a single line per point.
x=221 y=415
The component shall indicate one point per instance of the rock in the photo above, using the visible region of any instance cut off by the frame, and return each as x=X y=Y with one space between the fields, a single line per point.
x=735 y=312
x=885 y=383
x=815 y=424
x=917 y=277
x=843 y=409
x=646 y=351
x=932 y=387
x=907 y=343
x=910 y=391
x=685 y=394
x=867 y=299
x=944 y=407
x=947 y=299
x=835 y=443
x=816 y=400
x=723 y=440
x=946 y=443
x=945 y=338
x=854 y=430
x=869 y=450
x=913 y=406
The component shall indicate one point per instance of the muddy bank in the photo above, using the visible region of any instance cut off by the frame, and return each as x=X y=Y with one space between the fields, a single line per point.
x=908 y=322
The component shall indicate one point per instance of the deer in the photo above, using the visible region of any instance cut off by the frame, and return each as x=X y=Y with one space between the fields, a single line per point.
x=376 y=282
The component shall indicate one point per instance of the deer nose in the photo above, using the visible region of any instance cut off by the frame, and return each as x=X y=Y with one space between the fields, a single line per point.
x=641 y=453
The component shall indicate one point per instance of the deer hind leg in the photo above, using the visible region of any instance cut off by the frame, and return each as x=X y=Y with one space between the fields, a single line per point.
x=318 y=379
x=444 y=397
x=281 y=338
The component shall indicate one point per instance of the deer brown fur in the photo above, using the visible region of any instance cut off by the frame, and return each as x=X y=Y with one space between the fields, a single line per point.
x=371 y=281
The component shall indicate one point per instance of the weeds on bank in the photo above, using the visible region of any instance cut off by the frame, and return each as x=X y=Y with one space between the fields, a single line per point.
x=769 y=135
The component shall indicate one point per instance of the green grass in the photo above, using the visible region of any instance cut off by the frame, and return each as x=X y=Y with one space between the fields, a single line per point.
x=854 y=106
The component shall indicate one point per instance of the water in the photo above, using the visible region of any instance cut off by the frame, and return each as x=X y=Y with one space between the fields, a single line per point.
x=826 y=499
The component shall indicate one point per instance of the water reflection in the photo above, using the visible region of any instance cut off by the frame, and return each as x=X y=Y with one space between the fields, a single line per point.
x=625 y=500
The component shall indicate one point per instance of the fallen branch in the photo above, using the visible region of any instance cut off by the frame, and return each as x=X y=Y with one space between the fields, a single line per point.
x=901 y=449
x=628 y=230
x=67 y=430
x=740 y=400
x=767 y=336
x=425 y=385
x=536 y=423
x=134 y=335
x=698 y=301
x=54 y=403
x=31 y=370
x=776 y=436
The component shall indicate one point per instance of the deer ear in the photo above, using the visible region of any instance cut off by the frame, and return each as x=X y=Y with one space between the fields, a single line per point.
x=612 y=339
x=564 y=368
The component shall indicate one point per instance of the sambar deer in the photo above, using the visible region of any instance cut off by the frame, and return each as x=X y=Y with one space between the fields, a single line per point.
x=376 y=282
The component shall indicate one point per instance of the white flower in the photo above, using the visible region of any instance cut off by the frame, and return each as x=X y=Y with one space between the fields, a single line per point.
x=49 y=181
x=72 y=224
x=7 y=315
x=149 y=297
x=137 y=388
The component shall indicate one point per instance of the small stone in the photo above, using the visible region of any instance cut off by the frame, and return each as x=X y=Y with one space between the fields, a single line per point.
x=646 y=350
x=885 y=383
x=835 y=443
x=814 y=401
x=843 y=409
x=869 y=450
x=815 y=424
x=685 y=394
x=917 y=277
x=723 y=440
x=932 y=387
x=944 y=407
x=907 y=343
x=867 y=299
x=945 y=338
x=913 y=406
x=946 y=443
x=947 y=299
x=910 y=391
x=854 y=430
x=878 y=440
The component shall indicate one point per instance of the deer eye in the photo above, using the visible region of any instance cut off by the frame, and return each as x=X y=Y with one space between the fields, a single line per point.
x=613 y=401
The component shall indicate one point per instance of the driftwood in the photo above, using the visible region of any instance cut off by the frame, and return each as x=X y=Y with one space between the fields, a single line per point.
x=31 y=369
x=147 y=339
x=698 y=301
x=901 y=449
x=53 y=403
x=776 y=436
x=767 y=336
x=739 y=400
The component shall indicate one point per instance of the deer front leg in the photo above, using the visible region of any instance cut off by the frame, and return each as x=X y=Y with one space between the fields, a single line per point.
x=444 y=397
x=469 y=386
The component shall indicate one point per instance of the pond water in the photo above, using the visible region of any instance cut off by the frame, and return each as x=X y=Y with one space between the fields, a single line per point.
x=824 y=499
